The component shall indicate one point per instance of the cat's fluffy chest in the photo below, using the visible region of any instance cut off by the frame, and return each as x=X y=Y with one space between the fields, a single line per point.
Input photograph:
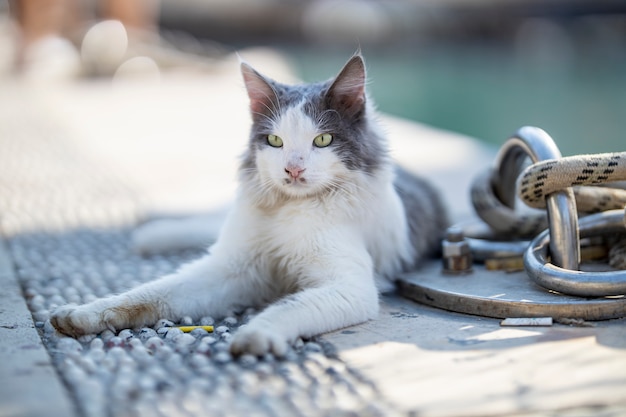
x=299 y=228
x=300 y=234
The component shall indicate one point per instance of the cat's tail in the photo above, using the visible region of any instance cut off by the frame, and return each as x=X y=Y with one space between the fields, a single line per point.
x=176 y=234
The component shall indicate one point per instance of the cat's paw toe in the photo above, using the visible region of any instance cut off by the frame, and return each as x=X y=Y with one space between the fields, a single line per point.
x=258 y=342
x=71 y=321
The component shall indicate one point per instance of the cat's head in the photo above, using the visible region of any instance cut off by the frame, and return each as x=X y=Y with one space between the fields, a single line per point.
x=312 y=138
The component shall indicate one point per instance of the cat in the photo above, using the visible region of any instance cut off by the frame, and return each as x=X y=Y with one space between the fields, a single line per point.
x=323 y=220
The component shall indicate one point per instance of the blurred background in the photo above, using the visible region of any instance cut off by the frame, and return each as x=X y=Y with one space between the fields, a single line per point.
x=481 y=68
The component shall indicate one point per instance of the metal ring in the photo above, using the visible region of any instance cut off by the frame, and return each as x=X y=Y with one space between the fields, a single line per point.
x=561 y=206
x=584 y=284
x=483 y=249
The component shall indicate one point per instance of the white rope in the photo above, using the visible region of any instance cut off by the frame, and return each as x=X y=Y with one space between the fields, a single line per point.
x=545 y=177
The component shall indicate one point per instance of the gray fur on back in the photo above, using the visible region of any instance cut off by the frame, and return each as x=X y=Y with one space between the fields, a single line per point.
x=425 y=212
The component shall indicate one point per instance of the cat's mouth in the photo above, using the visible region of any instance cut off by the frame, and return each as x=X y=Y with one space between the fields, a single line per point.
x=295 y=182
x=298 y=187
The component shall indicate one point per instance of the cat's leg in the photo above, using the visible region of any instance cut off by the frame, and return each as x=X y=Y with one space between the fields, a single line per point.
x=206 y=287
x=345 y=296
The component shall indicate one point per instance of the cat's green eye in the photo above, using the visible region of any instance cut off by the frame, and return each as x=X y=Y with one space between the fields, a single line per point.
x=274 y=141
x=323 y=140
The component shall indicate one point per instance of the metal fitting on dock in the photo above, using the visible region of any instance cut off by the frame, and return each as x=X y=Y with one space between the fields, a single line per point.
x=457 y=257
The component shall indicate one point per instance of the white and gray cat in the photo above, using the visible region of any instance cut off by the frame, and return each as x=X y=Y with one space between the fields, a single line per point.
x=322 y=221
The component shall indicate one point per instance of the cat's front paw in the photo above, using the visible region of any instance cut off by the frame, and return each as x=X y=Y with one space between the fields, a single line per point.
x=258 y=342
x=76 y=321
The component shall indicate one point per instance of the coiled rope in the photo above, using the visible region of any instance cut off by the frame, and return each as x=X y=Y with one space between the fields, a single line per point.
x=546 y=177
x=594 y=179
x=543 y=178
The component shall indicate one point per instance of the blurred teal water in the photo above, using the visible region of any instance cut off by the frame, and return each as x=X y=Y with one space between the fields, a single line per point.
x=489 y=91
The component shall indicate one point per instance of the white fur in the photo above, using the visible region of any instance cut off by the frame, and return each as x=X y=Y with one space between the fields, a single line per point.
x=311 y=251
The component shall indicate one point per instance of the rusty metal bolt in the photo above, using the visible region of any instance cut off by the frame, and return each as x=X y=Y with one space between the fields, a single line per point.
x=457 y=257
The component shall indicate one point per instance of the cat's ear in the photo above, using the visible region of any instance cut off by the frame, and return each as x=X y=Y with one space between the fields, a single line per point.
x=347 y=92
x=263 y=100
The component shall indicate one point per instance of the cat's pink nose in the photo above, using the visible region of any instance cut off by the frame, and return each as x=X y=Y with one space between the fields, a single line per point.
x=294 y=172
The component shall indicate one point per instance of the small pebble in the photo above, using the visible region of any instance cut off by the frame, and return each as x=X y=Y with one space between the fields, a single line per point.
x=298 y=344
x=230 y=321
x=31 y=293
x=221 y=329
x=172 y=333
x=97 y=354
x=291 y=356
x=163 y=352
x=88 y=364
x=248 y=360
x=263 y=369
x=203 y=348
x=135 y=343
x=163 y=323
x=86 y=338
x=207 y=321
x=56 y=300
x=198 y=333
x=186 y=321
x=208 y=371
x=114 y=341
x=312 y=347
x=70 y=292
x=146 y=383
x=37 y=301
x=146 y=333
x=69 y=345
x=222 y=357
x=96 y=343
x=73 y=373
x=198 y=361
x=157 y=373
x=107 y=335
x=174 y=361
x=49 y=329
x=221 y=347
x=41 y=315
x=126 y=335
x=208 y=340
x=154 y=343
x=184 y=339
x=116 y=352
x=88 y=298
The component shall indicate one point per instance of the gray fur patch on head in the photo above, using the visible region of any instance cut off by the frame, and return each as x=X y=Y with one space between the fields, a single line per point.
x=339 y=106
